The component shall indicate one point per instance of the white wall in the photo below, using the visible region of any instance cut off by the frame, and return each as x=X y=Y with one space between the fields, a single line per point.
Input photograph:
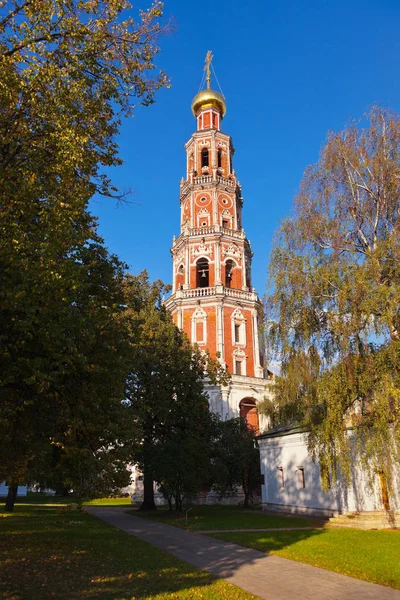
x=290 y=452
x=224 y=401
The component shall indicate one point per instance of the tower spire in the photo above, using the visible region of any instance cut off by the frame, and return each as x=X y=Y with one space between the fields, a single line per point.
x=207 y=98
x=209 y=57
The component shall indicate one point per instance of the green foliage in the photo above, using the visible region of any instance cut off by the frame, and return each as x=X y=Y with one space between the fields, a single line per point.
x=334 y=307
x=236 y=459
x=169 y=408
x=68 y=70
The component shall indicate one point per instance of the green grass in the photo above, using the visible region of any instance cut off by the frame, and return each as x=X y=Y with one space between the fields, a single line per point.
x=38 y=498
x=50 y=552
x=109 y=502
x=226 y=517
x=370 y=555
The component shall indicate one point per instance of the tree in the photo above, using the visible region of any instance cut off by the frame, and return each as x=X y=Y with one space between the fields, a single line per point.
x=334 y=307
x=69 y=70
x=166 y=396
x=236 y=459
x=63 y=367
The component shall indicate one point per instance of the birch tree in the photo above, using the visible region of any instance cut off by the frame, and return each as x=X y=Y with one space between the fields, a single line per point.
x=334 y=305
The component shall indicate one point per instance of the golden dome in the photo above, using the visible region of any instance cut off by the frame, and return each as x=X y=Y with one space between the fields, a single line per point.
x=209 y=98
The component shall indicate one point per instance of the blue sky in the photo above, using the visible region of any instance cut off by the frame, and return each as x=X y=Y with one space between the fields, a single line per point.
x=290 y=71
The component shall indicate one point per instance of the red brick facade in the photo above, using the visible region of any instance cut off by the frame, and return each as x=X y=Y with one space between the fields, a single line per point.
x=212 y=298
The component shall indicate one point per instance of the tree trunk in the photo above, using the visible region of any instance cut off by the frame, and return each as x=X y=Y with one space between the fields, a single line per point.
x=148 y=493
x=246 y=487
x=178 y=503
x=11 y=497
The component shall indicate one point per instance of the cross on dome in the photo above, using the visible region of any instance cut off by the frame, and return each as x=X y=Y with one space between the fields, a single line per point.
x=208 y=97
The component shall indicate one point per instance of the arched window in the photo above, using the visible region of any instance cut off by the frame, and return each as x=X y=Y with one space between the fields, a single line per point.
x=202 y=273
x=204 y=157
x=229 y=266
x=248 y=410
x=219 y=158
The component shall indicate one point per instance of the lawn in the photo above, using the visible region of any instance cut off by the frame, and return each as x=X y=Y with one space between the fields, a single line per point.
x=370 y=555
x=203 y=518
x=38 y=498
x=57 y=552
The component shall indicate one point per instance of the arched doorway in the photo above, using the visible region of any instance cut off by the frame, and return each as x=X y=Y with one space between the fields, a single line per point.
x=248 y=410
x=202 y=273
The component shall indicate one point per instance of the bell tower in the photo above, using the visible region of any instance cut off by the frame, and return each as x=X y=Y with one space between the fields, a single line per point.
x=212 y=298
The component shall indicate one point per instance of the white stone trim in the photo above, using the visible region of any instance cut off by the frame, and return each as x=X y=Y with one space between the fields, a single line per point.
x=239 y=356
x=237 y=318
x=199 y=316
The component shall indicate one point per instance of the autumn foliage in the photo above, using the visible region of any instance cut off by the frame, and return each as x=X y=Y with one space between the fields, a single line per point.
x=334 y=306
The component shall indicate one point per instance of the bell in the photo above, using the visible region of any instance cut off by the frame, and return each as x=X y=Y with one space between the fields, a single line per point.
x=203 y=274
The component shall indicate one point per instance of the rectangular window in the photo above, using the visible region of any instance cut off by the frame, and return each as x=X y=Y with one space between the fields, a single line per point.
x=237 y=334
x=238 y=367
x=225 y=223
x=281 y=479
x=301 y=482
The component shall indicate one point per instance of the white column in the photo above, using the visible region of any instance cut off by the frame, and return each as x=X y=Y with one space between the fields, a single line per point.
x=243 y=269
x=192 y=223
x=180 y=318
x=217 y=263
x=220 y=331
x=187 y=270
x=215 y=207
x=258 y=371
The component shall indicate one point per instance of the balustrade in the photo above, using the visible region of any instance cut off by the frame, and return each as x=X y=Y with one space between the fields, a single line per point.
x=212 y=291
x=235 y=233
x=203 y=179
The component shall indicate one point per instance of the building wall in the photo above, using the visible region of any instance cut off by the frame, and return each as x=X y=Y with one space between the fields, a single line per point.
x=283 y=455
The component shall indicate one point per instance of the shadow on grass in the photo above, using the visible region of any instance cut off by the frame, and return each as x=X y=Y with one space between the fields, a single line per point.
x=221 y=558
x=49 y=552
x=204 y=518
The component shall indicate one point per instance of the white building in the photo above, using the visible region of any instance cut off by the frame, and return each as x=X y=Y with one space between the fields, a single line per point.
x=292 y=481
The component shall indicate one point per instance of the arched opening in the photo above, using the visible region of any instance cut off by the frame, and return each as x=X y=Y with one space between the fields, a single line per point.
x=204 y=157
x=229 y=266
x=180 y=277
x=248 y=410
x=202 y=273
x=219 y=158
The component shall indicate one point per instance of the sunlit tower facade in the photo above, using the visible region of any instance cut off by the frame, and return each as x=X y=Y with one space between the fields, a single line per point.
x=212 y=298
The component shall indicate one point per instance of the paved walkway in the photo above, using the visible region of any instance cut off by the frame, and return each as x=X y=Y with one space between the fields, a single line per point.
x=269 y=577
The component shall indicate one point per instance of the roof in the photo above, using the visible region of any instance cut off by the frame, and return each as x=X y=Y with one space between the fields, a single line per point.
x=281 y=430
